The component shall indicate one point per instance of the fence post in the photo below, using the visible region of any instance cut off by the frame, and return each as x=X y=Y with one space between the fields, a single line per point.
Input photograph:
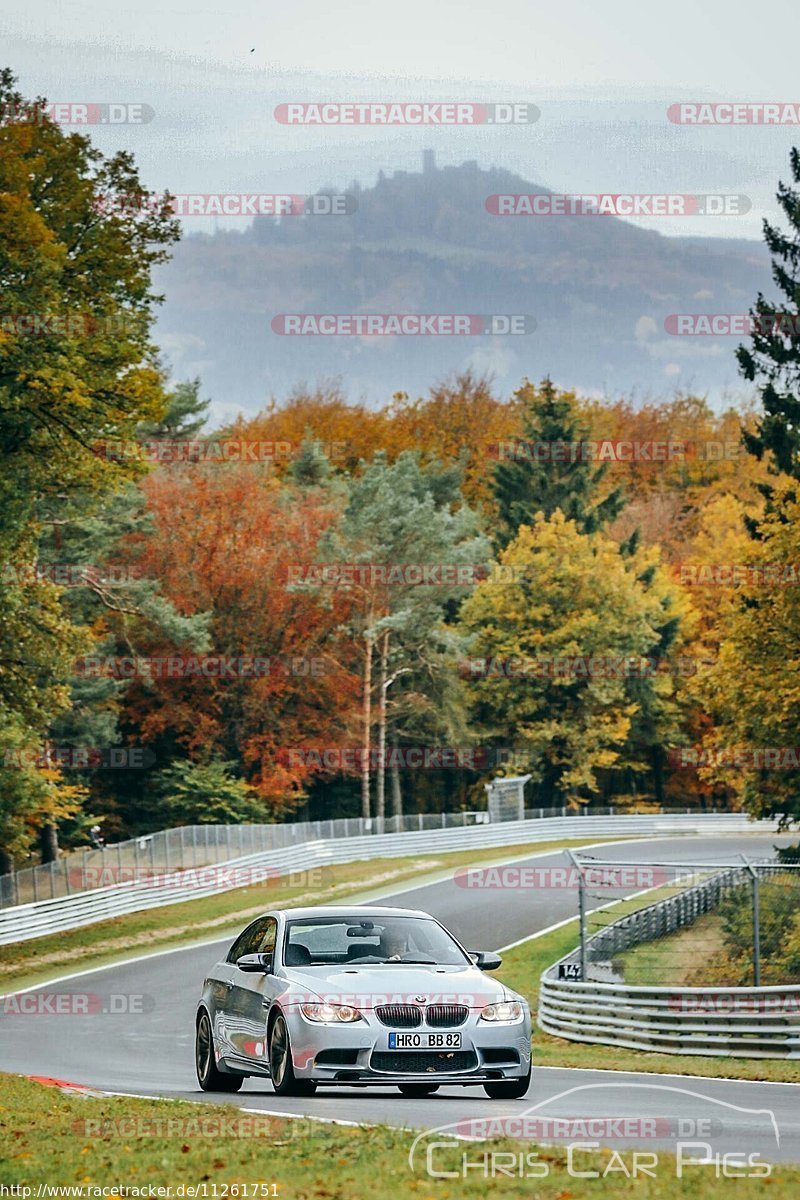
x=756 y=922
x=581 y=911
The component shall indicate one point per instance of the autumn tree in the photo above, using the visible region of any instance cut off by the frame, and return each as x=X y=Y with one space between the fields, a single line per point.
x=551 y=634
x=228 y=540
x=76 y=367
x=753 y=689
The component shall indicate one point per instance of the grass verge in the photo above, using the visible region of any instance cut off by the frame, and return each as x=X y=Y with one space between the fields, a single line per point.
x=680 y=958
x=123 y=1143
x=26 y=963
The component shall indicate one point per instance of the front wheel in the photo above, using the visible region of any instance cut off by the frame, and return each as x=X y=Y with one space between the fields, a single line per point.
x=418 y=1090
x=284 y=1080
x=508 y=1089
x=208 y=1076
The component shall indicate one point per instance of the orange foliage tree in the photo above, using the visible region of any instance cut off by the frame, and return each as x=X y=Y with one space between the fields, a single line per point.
x=223 y=541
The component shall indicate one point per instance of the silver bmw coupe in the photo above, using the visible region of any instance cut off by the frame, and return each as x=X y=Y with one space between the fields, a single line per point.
x=355 y=996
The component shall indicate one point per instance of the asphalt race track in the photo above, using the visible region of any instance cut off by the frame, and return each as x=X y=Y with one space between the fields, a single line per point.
x=151 y=1052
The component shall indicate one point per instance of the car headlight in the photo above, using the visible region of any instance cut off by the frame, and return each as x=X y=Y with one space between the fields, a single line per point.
x=504 y=1010
x=330 y=1014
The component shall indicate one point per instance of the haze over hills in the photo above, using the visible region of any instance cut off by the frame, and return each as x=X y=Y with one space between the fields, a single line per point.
x=599 y=288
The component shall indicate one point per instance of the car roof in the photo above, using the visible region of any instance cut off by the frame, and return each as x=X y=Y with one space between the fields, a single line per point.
x=351 y=910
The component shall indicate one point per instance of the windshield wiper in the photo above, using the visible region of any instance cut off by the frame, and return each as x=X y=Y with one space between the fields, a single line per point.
x=412 y=961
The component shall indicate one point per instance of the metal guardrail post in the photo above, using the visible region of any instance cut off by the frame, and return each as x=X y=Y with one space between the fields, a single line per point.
x=756 y=922
x=581 y=910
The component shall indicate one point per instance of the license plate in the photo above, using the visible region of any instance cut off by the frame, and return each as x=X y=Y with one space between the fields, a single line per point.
x=424 y=1041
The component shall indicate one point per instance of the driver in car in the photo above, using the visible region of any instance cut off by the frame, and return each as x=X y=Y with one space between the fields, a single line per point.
x=393 y=945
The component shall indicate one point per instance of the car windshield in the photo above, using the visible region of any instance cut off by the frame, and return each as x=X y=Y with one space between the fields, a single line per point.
x=323 y=941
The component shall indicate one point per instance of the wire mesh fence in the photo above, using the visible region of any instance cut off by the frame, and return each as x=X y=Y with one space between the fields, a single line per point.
x=723 y=924
x=191 y=846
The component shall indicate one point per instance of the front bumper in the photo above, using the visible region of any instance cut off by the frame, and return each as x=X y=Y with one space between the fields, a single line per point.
x=360 y=1053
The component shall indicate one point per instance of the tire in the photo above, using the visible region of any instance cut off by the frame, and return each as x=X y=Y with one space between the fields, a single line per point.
x=284 y=1080
x=418 y=1091
x=208 y=1076
x=508 y=1089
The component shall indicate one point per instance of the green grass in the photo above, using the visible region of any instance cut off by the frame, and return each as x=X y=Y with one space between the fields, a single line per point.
x=26 y=963
x=65 y=1140
x=521 y=970
x=677 y=959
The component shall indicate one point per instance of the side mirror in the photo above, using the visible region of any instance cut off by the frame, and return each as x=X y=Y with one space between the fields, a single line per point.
x=485 y=960
x=255 y=963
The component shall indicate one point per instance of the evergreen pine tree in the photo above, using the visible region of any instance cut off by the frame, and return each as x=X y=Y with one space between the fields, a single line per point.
x=774 y=352
x=550 y=468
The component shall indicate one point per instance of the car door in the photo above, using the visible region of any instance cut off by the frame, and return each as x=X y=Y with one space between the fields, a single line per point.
x=229 y=1003
x=251 y=995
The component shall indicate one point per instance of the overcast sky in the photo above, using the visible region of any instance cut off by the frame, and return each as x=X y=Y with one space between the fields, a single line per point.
x=728 y=46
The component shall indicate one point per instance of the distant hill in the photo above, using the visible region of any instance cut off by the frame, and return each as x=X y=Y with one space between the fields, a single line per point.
x=600 y=289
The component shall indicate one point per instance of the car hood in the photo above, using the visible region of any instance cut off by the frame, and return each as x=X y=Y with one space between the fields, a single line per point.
x=368 y=986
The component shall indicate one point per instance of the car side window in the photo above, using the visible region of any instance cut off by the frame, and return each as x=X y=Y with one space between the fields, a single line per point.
x=269 y=934
x=250 y=942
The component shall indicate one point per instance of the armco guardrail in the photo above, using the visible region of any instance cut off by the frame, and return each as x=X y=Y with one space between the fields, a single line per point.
x=739 y=1022
x=26 y=921
x=729 y=1022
